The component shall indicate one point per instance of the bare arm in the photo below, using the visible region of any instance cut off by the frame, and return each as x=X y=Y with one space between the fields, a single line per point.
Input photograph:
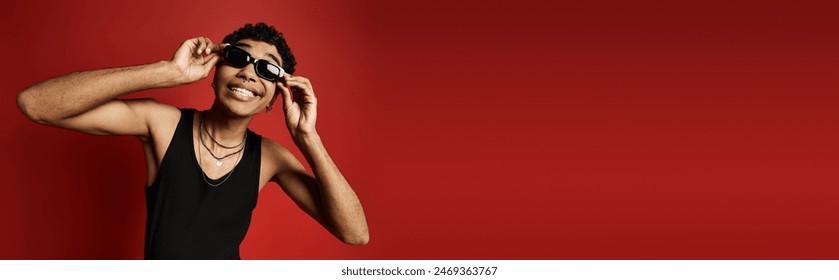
x=86 y=101
x=339 y=201
x=327 y=196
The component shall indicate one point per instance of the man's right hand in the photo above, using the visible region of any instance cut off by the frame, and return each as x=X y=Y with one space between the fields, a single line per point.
x=195 y=58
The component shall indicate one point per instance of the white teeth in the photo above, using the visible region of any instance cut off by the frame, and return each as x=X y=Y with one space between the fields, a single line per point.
x=243 y=92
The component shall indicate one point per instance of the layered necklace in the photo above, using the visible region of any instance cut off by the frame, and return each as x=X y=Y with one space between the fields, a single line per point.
x=219 y=159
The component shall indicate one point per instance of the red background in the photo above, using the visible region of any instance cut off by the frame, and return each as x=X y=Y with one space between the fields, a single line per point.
x=471 y=130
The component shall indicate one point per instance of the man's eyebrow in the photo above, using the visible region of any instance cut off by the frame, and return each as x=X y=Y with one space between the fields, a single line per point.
x=246 y=46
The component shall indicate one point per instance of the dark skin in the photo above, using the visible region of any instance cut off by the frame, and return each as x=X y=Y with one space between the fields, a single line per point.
x=87 y=101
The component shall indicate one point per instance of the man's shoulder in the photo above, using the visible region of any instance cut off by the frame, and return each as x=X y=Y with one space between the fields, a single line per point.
x=160 y=118
x=272 y=148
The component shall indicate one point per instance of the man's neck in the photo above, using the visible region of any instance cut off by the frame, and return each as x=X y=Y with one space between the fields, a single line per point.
x=225 y=127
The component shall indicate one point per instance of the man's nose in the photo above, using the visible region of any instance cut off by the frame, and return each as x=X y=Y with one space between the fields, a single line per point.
x=247 y=73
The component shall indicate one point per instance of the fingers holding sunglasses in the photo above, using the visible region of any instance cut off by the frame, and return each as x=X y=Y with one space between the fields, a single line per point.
x=193 y=60
x=291 y=111
x=195 y=48
x=299 y=105
x=302 y=94
x=301 y=88
x=204 y=46
x=218 y=48
x=211 y=60
x=199 y=45
x=286 y=92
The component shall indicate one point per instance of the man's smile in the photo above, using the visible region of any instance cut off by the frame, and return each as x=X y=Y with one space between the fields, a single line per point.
x=243 y=94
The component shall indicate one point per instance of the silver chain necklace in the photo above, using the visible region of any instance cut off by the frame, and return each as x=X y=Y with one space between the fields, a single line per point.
x=207 y=178
x=219 y=160
x=216 y=141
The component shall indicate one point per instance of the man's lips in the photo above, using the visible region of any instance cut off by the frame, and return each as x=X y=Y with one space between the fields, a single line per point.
x=243 y=93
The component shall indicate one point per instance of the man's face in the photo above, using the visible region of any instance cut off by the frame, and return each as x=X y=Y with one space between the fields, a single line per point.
x=240 y=90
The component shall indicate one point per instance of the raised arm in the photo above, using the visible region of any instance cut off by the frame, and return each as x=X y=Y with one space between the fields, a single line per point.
x=86 y=101
x=326 y=196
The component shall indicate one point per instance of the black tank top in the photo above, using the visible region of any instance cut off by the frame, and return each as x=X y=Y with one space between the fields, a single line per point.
x=189 y=219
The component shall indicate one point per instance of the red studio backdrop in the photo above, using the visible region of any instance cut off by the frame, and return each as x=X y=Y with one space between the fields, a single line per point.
x=471 y=129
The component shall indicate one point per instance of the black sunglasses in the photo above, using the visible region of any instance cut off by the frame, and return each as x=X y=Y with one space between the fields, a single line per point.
x=239 y=58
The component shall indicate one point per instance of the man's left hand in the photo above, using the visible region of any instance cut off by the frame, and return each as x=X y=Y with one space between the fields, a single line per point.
x=299 y=106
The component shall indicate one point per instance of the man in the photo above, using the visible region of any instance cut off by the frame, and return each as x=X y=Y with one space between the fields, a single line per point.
x=206 y=168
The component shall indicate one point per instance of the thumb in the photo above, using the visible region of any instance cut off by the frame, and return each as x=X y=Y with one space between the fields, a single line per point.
x=218 y=48
x=209 y=63
x=286 y=95
x=211 y=60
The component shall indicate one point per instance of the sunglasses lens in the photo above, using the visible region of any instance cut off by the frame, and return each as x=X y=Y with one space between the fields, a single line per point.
x=268 y=71
x=236 y=57
x=239 y=58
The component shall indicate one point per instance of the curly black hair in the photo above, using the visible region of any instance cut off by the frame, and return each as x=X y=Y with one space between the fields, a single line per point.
x=263 y=32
